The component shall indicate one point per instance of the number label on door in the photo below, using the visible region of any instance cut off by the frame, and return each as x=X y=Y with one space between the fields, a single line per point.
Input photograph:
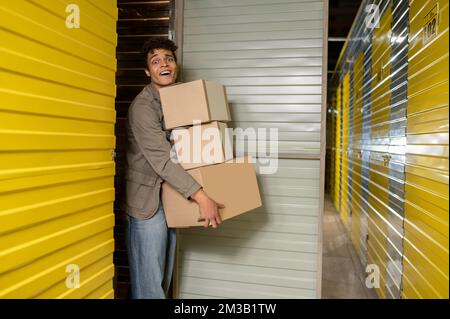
x=430 y=25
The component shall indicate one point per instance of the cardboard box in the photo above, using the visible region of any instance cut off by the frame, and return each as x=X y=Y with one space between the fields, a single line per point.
x=201 y=145
x=200 y=100
x=231 y=184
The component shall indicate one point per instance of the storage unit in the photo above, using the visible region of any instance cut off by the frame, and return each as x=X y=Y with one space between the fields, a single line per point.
x=426 y=211
x=398 y=110
x=378 y=145
x=330 y=123
x=57 y=139
x=358 y=215
x=269 y=56
x=338 y=149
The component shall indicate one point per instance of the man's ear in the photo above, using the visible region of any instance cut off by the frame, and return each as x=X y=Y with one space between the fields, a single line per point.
x=147 y=72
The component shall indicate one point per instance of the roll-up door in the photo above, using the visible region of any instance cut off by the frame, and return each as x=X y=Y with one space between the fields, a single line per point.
x=269 y=56
x=56 y=148
x=338 y=149
x=345 y=111
x=426 y=204
x=379 y=145
x=400 y=176
x=356 y=190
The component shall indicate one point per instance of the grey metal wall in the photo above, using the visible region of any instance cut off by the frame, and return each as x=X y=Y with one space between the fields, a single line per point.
x=269 y=56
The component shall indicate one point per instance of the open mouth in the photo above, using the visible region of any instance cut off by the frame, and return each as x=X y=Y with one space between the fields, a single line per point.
x=165 y=73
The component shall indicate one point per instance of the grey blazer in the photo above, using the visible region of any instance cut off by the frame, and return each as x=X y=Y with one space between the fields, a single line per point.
x=148 y=157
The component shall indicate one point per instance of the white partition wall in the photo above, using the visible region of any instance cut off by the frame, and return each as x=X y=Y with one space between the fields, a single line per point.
x=270 y=57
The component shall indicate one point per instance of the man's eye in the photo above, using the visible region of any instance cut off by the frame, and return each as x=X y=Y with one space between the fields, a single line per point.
x=155 y=62
x=170 y=59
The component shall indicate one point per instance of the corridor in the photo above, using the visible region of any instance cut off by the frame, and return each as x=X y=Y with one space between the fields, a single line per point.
x=343 y=276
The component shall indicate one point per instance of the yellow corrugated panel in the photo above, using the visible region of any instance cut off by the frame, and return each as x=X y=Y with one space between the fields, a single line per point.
x=426 y=266
x=356 y=204
x=338 y=149
x=331 y=141
x=57 y=90
x=380 y=124
x=330 y=149
x=357 y=138
x=381 y=81
x=344 y=209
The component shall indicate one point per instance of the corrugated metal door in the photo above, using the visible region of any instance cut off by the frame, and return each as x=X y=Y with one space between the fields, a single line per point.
x=338 y=149
x=344 y=207
x=379 y=145
x=270 y=58
x=56 y=140
x=402 y=186
x=330 y=147
x=357 y=202
x=426 y=263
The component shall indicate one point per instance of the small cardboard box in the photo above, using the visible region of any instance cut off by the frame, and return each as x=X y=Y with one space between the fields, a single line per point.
x=202 y=101
x=200 y=145
x=232 y=184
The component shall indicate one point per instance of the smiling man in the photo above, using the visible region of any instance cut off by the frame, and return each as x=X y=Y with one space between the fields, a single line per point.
x=150 y=244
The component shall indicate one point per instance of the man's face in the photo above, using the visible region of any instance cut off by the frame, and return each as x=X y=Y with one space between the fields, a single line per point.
x=162 y=68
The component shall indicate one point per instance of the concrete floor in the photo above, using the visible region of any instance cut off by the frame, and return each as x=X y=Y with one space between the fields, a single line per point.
x=343 y=276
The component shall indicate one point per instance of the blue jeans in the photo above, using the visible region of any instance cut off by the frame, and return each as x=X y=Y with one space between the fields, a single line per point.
x=151 y=255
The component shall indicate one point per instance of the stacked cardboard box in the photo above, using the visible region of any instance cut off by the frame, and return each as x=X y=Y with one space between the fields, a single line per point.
x=197 y=112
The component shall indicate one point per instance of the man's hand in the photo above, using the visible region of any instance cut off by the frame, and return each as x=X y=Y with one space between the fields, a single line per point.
x=209 y=209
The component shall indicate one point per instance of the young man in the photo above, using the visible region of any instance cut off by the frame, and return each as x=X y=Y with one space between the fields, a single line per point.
x=150 y=244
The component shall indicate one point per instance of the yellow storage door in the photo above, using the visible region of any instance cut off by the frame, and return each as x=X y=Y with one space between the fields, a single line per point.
x=331 y=146
x=57 y=90
x=338 y=150
x=426 y=256
x=356 y=203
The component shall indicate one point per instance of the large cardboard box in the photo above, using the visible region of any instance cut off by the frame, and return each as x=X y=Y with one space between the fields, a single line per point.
x=231 y=184
x=201 y=101
x=202 y=145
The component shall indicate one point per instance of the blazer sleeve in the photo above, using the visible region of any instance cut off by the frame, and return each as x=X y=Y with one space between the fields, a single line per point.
x=152 y=142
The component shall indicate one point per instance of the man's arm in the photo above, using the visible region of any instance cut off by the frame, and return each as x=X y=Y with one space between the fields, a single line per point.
x=151 y=140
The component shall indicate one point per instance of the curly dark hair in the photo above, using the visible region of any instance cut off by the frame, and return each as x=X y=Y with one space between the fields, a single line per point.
x=158 y=43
